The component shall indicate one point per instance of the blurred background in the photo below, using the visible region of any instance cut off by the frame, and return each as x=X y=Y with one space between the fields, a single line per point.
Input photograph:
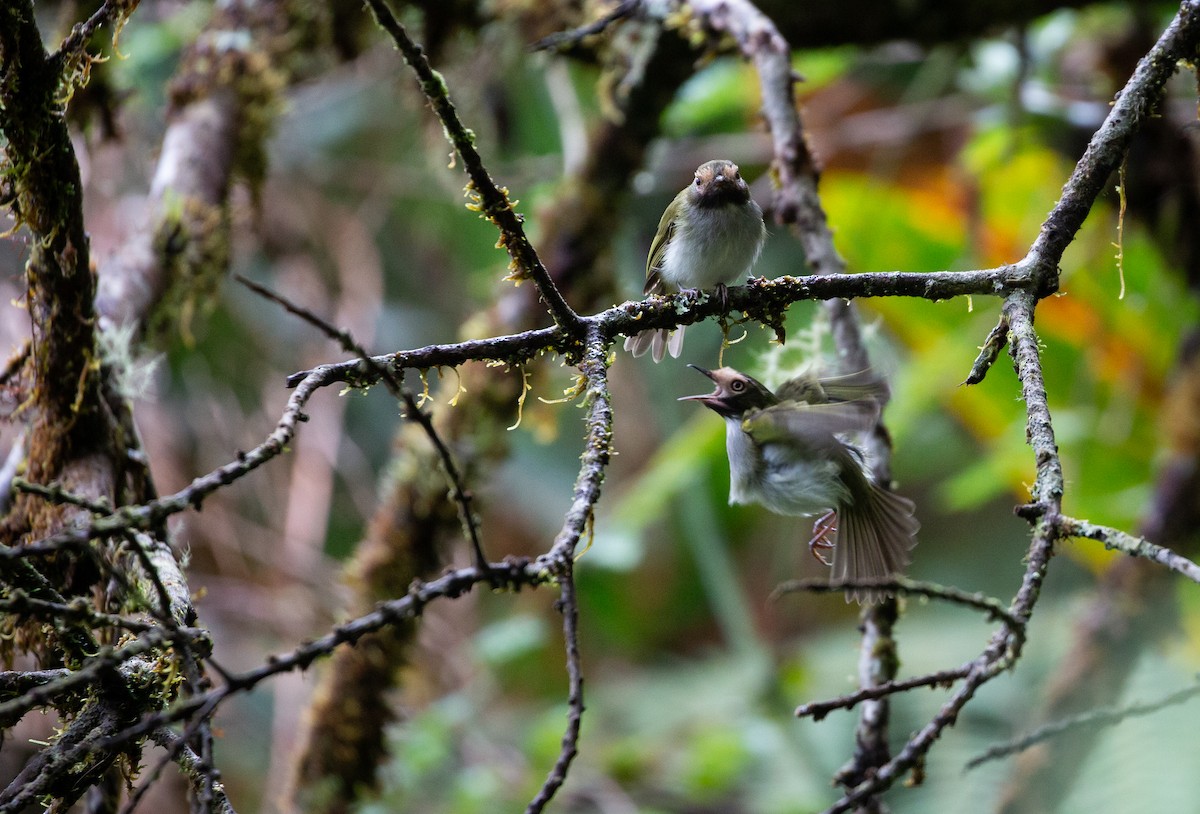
x=934 y=156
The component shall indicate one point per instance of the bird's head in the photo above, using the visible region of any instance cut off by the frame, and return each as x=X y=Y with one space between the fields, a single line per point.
x=718 y=183
x=735 y=394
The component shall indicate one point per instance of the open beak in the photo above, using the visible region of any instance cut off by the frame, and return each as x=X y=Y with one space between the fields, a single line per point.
x=705 y=398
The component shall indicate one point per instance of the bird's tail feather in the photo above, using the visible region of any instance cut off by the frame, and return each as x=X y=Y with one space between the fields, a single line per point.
x=874 y=540
x=658 y=341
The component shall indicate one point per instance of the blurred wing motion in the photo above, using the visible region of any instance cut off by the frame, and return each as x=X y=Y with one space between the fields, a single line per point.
x=807 y=422
x=814 y=389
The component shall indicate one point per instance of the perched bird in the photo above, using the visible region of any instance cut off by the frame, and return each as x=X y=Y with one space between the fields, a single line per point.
x=710 y=235
x=784 y=452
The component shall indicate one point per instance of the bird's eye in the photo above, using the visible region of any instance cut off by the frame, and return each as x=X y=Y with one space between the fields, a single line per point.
x=698 y=181
x=737 y=174
x=737 y=386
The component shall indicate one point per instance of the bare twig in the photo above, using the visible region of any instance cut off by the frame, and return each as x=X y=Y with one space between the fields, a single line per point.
x=564 y=39
x=453 y=584
x=819 y=709
x=413 y=411
x=1093 y=720
x=146 y=515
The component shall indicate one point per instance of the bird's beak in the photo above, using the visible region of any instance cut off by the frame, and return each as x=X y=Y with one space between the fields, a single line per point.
x=706 y=398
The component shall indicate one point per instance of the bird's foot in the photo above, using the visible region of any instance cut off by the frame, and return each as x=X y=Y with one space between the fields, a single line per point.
x=723 y=297
x=822 y=529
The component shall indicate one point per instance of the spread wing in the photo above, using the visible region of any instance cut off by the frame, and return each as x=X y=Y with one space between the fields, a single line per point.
x=863 y=385
x=810 y=424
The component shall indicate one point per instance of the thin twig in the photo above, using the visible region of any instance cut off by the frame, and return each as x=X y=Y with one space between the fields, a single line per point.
x=412 y=411
x=493 y=200
x=146 y=515
x=195 y=769
x=819 y=709
x=568 y=605
x=1094 y=719
x=510 y=573
x=560 y=558
x=561 y=39
x=81 y=33
x=902 y=585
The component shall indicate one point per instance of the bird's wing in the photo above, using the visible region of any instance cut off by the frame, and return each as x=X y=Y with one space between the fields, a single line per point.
x=865 y=384
x=805 y=387
x=855 y=387
x=654 y=260
x=809 y=424
x=813 y=389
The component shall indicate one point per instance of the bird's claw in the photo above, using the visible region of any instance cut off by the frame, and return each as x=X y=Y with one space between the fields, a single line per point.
x=723 y=297
x=822 y=528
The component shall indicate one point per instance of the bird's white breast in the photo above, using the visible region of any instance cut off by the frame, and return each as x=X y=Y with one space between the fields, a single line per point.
x=716 y=245
x=780 y=476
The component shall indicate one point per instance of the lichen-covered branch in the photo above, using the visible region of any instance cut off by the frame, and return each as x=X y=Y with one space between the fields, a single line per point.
x=68 y=435
x=764 y=300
